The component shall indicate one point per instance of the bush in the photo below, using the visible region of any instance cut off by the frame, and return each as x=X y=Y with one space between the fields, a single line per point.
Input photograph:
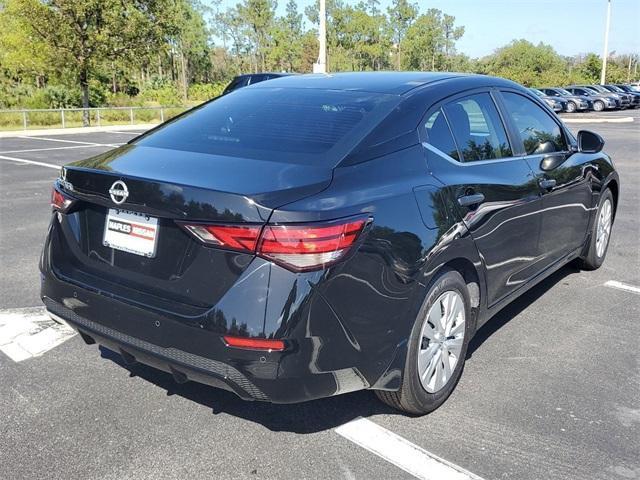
x=165 y=95
x=205 y=91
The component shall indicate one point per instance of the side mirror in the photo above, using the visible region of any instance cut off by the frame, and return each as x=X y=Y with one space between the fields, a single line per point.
x=589 y=142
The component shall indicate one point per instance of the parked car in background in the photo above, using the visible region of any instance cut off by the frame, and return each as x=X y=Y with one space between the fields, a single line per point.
x=629 y=88
x=575 y=103
x=634 y=96
x=321 y=234
x=556 y=104
x=623 y=99
x=249 y=79
x=599 y=101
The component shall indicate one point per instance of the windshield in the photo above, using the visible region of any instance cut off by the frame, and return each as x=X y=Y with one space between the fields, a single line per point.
x=537 y=92
x=563 y=92
x=285 y=125
x=598 y=88
x=616 y=89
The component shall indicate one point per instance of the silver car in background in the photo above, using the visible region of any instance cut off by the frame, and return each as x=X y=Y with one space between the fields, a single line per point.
x=575 y=103
x=600 y=101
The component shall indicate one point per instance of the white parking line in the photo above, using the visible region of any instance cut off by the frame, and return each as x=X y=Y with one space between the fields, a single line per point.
x=73 y=141
x=402 y=453
x=622 y=286
x=54 y=148
x=30 y=162
x=29 y=332
x=126 y=133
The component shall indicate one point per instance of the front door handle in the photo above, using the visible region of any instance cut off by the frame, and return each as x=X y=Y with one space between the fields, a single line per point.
x=471 y=200
x=547 y=183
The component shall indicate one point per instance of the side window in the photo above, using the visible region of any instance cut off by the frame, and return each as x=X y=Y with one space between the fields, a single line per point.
x=477 y=128
x=439 y=135
x=539 y=132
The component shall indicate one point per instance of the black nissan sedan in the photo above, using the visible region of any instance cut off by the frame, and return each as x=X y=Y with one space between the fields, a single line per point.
x=319 y=234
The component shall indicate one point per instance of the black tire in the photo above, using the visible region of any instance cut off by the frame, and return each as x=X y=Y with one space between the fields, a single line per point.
x=593 y=261
x=412 y=397
x=598 y=105
x=571 y=107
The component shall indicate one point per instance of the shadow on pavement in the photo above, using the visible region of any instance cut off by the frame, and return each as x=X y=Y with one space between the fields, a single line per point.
x=513 y=309
x=323 y=414
x=308 y=417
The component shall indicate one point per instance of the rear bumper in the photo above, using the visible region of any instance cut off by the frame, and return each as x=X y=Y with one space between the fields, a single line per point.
x=192 y=347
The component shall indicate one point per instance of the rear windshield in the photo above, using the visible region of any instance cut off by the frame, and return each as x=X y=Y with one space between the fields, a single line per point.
x=286 y=125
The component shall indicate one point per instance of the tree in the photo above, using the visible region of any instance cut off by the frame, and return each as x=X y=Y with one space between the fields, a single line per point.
x=429 y=41
x=528 y=64
x=259 y=16
x=401 y=15
x=82 y=34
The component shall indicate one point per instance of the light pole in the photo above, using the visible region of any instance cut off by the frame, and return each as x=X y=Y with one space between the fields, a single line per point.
x=605 y=54
x=321 y=65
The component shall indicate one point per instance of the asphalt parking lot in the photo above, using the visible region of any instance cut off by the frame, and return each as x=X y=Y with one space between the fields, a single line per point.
x=551 y=388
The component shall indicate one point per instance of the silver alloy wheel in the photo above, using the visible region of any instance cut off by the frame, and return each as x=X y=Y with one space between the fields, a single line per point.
x=604 y=227
x=571 y=107
x=441 y=341
x=598 y=106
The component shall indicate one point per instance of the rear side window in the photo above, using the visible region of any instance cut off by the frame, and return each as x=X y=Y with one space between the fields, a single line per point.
x=538 y=131
x=293 y=125
x=477 y=128
x=439 y=135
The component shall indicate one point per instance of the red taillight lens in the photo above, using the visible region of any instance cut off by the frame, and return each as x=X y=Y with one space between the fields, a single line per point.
x=59 y=201
x=296 y=247
x=254 y=343
x=308 y=247
x=244 y=238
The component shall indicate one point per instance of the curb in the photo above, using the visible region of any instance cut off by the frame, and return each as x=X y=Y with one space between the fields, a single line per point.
x=71 y=131
x=598 y=120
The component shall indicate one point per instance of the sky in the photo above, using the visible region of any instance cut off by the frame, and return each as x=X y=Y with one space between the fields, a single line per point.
x=570 y=26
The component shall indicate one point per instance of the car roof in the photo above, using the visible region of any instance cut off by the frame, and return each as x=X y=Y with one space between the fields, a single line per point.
x=396 y=83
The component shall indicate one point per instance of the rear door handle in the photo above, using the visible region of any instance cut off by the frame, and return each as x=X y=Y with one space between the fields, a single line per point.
x=547 y=183
x=471 y=200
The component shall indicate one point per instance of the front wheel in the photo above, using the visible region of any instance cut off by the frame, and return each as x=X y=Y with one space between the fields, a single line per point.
x=600 y=233
x=437 y=348
x=598 y=106
x=571 y=107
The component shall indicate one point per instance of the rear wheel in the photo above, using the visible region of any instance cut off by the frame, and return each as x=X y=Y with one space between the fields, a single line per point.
x=571 y=107
x=600 y=233
x=598 y=105
x=437 y=348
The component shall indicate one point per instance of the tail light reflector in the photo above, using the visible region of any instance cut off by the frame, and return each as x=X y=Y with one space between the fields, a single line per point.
x=59 y=201
x=254 y=343
x=294 y=246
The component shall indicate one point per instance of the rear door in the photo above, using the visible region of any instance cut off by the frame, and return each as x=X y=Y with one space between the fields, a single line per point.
x=494 y=192
x=560 y=175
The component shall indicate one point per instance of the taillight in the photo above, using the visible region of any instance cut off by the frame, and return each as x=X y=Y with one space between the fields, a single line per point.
x=234 y=237
x=254 y=343
x=59 y=201
x=294 y=246
x=308 y=247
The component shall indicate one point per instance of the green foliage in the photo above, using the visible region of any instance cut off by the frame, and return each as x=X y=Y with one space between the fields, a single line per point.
x=525 y=63
x=201 y=92
x=68 y=53
x=430 y=41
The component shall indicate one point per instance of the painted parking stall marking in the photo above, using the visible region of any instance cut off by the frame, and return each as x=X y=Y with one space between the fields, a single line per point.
x=622 y=286
x=29 y=332
x=29 y=162
x=401 y=452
